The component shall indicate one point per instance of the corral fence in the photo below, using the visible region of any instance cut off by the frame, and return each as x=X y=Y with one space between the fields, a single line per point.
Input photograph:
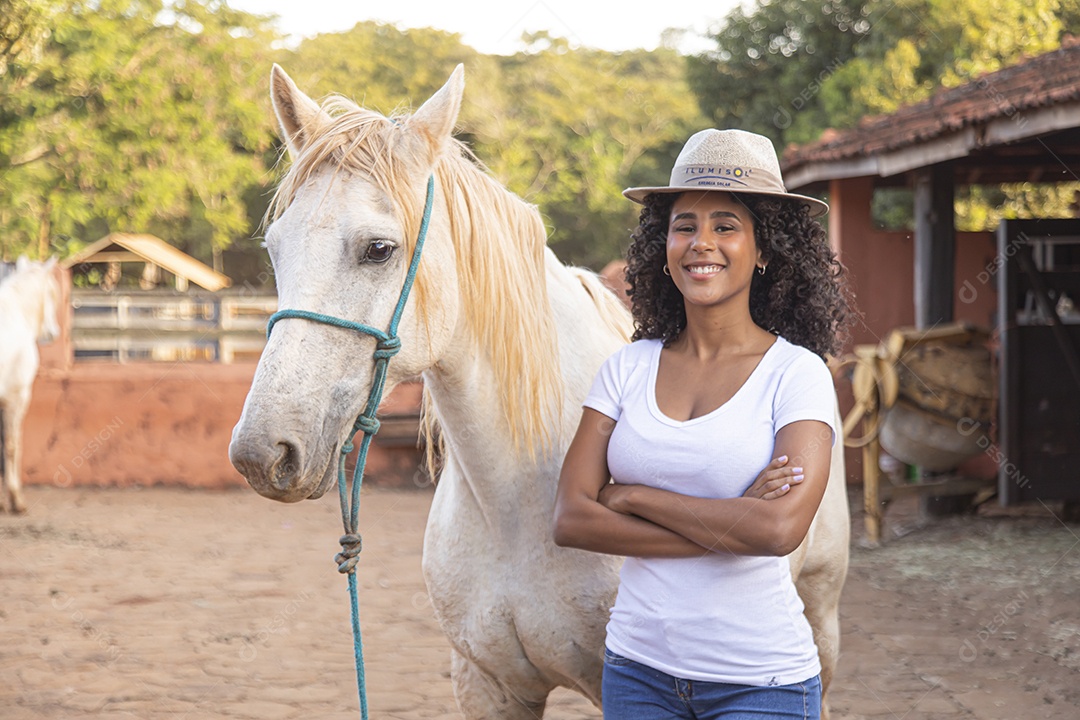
x=163 y=326
x=144 y=388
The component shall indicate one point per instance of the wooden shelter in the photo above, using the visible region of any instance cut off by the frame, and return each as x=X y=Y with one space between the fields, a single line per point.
x=1019 y=124
x=155 y=254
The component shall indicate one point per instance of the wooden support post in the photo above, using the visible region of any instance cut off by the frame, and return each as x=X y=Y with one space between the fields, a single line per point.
x=871 y=480
x=935 y=245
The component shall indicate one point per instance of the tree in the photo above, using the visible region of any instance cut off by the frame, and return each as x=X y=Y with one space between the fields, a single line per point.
x=578 y=126
x=770 y=62
x=134 y=117
x=380 y=66
x=921 y=45
x=791 y=68
x=23 y=29
x=564 y=128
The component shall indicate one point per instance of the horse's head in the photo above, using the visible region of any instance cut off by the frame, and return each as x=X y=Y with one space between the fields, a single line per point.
x=344 y=224
x=42 y=291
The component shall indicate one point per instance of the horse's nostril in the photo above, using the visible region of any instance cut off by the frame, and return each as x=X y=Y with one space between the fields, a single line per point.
x=286 y=466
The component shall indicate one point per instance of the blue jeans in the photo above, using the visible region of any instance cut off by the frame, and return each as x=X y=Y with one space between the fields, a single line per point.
x=632 y=691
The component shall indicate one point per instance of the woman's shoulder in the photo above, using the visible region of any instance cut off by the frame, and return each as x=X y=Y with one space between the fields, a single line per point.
x=637 y=351
x=630 y=360
x=789 y=356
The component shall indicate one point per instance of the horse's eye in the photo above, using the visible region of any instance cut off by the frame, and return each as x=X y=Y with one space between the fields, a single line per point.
x=379 y=251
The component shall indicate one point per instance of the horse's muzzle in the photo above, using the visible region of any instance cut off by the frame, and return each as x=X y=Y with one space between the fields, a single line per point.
x=272 y=468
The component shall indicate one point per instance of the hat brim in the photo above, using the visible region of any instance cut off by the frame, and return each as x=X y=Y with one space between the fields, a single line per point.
x=638 y=195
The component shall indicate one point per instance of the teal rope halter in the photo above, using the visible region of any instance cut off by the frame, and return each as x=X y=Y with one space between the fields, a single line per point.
x=387 y=346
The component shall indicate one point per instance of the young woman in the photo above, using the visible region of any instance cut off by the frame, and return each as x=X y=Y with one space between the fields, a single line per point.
x=716 y=426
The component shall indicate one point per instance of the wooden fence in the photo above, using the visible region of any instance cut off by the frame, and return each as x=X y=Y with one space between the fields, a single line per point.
x=169 y=326
x=113 y=418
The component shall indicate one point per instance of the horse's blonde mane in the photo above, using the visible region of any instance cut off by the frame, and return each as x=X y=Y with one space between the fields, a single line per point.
x=499 y=241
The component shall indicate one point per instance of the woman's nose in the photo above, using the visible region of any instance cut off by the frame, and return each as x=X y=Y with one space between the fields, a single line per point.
x=703 y=241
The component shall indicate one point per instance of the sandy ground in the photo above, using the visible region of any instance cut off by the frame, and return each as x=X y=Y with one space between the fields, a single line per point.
x=158 y=604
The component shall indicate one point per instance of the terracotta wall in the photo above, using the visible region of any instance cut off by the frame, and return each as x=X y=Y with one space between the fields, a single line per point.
x=882 y=266
x=142 y=424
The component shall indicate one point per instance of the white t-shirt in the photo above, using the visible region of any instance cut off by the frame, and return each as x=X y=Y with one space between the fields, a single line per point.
x=722 y=617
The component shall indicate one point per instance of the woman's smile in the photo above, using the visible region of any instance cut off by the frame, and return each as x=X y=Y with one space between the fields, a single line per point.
x=704 y=271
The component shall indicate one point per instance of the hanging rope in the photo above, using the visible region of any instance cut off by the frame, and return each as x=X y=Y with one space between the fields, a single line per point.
x=387 y=346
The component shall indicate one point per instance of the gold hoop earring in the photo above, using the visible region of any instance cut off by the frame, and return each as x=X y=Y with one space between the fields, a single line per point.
x=761 y=269
x=666 y=271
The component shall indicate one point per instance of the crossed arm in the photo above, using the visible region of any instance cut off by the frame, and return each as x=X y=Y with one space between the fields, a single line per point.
x=641 y=521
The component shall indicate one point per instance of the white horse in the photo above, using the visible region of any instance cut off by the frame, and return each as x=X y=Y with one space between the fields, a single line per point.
x=29 y=298
x=507 y=340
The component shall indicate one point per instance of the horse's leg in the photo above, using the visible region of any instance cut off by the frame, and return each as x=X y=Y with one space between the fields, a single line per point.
x=3 y=475
x=12 y=422
x=826 y=627
x=822 y=574
x=482 y=697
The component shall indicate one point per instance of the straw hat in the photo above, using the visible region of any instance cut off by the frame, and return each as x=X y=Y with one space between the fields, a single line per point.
x=730 y=160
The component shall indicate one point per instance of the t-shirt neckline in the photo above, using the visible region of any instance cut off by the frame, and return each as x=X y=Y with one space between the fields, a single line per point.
x=654 y=406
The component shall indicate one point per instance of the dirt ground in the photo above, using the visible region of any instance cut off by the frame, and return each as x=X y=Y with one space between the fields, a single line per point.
x=158 y=604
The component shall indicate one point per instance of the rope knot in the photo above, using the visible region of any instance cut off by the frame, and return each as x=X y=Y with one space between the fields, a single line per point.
x=350 y=547
x=367 y=425
x=387 y=348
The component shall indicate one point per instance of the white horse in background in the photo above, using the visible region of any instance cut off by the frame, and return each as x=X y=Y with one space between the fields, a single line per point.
x=29 y=298
x=507 y=340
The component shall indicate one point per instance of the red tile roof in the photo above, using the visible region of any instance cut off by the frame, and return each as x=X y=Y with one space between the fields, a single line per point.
x=1048 y=79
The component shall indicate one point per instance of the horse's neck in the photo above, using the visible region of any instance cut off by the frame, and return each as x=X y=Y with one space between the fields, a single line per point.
x=468 y=402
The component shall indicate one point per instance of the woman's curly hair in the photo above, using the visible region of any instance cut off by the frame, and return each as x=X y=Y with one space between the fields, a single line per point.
x=802 y=296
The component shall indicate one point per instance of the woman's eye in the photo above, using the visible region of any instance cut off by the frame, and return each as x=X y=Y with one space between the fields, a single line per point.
x=379 y=251
x=724 y=228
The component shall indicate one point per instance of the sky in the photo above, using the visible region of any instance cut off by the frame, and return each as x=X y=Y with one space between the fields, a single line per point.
x=495 y=27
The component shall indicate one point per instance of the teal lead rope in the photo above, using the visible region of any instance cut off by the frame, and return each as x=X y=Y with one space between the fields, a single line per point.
x=387 y=346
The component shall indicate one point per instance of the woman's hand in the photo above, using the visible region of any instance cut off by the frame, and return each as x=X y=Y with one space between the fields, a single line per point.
x=775 y=480
x=613 y=496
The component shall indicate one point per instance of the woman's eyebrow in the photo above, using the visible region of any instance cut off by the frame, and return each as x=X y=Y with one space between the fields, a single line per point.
x=723 y=213
x=713 y=215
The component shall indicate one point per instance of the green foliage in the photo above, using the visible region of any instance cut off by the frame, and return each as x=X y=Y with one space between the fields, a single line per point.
x=132 y=117
x=153 y=116
x=892 y=208
x=23 y=29
x=790 y=69
x=578 y=127
x=981 y=207
x=565 y=129
x=379 y=66
x=770 y=63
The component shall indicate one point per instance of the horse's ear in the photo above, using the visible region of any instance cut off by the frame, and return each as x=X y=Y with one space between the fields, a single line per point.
x=50 y=263
x=22 y=263
x=435 y=119
x=295 y=111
